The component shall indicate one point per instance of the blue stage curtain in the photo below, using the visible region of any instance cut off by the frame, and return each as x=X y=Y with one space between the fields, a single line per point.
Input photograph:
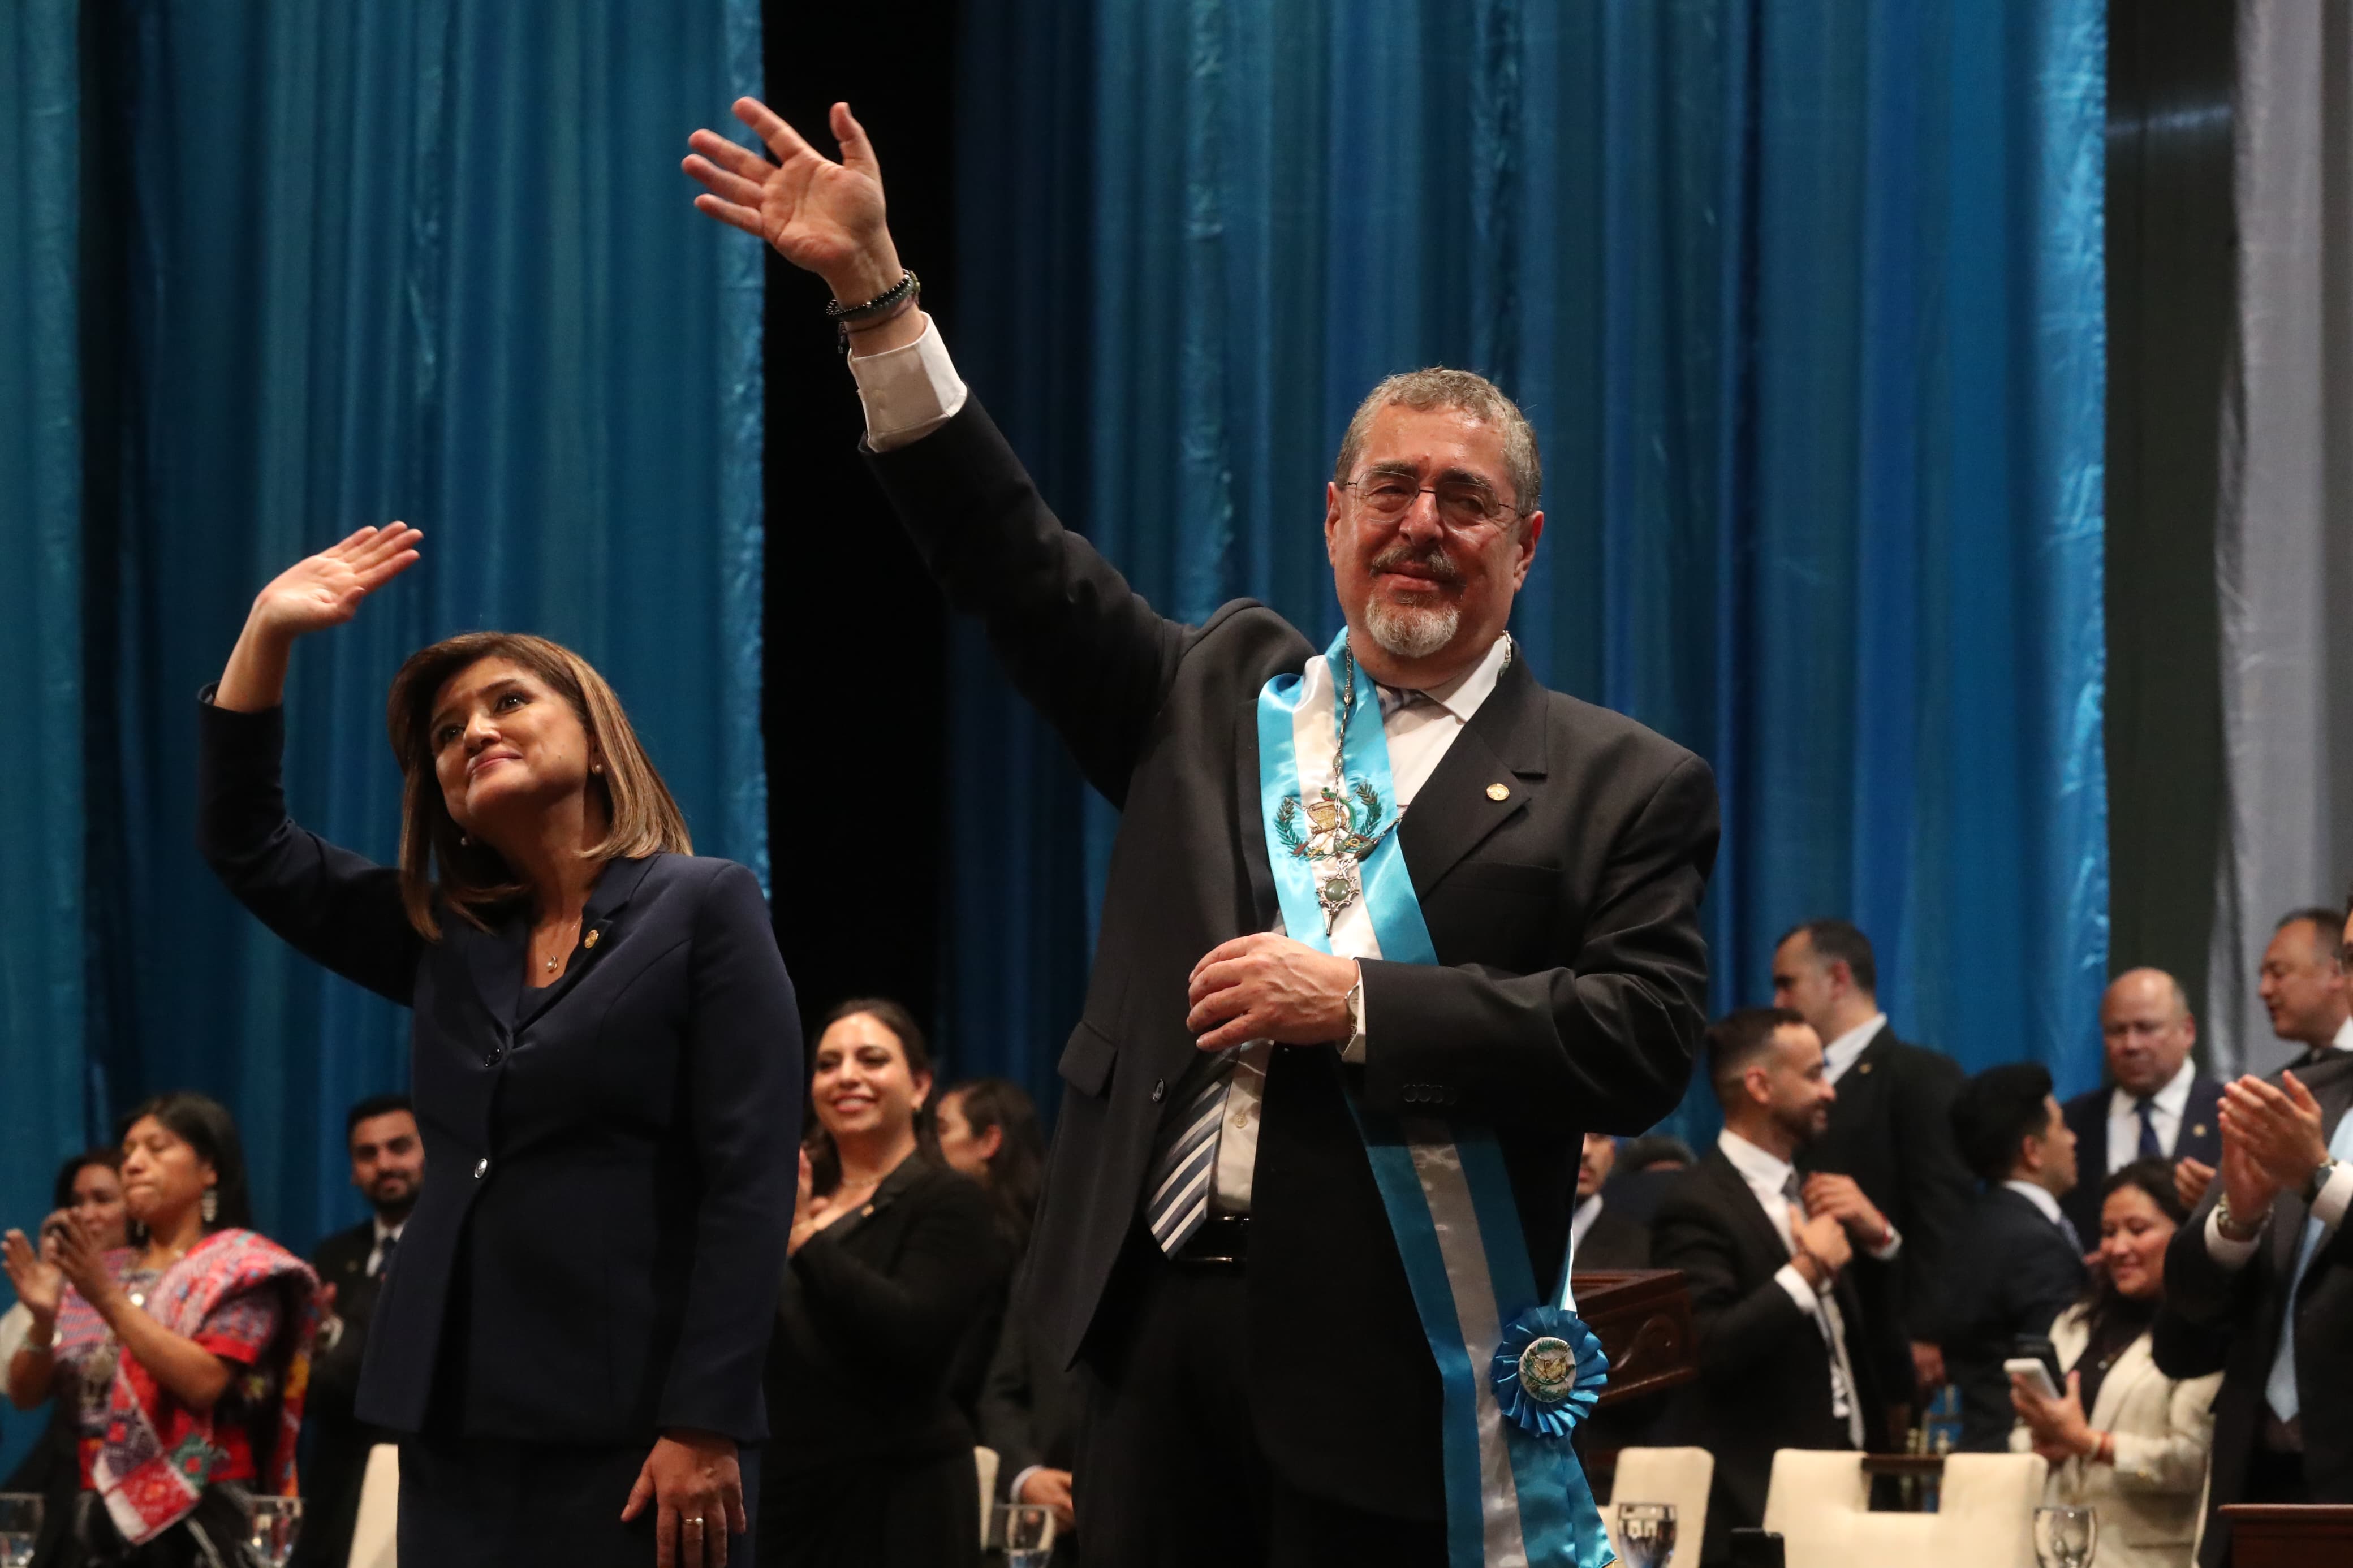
x=41 y=942
x=433 y=260
x=1805 y=300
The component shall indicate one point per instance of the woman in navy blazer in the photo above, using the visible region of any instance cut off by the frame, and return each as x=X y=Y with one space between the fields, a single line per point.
x=606 y=1071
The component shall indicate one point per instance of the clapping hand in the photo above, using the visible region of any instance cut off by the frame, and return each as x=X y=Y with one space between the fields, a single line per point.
x=40 y=1283
x=2279 y=1127
x=79 y=1258
x=823 y=216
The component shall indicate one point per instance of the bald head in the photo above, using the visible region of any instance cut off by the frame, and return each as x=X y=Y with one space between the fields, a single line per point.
x=2146 y=1026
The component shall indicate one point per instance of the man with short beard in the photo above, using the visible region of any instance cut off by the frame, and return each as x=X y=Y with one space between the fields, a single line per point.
x=388 y=1168
x=1370 y=902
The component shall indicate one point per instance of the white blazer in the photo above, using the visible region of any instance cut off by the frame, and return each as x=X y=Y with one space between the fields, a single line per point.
x=2149 y=1501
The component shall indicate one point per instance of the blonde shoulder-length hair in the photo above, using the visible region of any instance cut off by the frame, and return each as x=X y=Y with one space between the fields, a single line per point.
x=472 y=876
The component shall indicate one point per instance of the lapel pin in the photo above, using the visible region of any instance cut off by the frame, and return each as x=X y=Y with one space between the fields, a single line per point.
x=2198 y=1130
x=1498 y=791
x=1863 y=1067
x=590 y=939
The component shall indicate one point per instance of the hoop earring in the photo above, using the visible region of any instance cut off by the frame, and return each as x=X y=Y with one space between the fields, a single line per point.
x=210 y=1206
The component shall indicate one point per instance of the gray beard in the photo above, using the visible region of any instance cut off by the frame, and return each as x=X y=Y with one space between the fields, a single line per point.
x=1411 y=631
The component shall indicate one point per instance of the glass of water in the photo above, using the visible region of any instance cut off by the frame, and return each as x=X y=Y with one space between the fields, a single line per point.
x=20 y=1527
x=1646 y=1533
x=271 y=1523
x=2065 y=1537
x=1026 y=1530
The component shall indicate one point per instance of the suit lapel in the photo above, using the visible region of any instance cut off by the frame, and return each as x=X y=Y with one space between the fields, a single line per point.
x=1748 y=1214
x=1251 y=815
x=1456 y=811
x=615 y=887
x=494 y=958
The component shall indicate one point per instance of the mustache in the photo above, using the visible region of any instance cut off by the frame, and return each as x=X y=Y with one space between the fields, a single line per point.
x=1433 y=559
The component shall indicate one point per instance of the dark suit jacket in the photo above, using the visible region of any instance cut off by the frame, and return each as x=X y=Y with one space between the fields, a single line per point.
x=2200 y=1139
x=1613 y=1242
x=2011 y=1272
x=609 y=1161
x=336 y=1463
x=1029 y=1406
x=1763 y=1370
x=2250 y=1307
x=1891 y=1130
x=873 y=1310
x=1569 y=990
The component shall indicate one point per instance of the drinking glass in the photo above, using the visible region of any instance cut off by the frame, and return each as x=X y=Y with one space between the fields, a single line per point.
x=1026 y=1530
x=2065 y=1537
x=20 y=1526
x=1646 y=1533
x=272 y=1524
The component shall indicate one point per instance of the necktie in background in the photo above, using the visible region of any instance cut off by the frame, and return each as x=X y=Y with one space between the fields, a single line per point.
x=2146 y=1109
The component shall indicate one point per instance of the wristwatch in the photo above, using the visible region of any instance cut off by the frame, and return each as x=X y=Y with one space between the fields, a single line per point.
x=2320 y=1175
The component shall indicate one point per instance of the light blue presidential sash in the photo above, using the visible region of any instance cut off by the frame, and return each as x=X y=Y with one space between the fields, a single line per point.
x=1519 y=1371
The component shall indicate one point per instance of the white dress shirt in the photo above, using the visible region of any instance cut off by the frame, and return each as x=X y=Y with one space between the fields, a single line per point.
x=2165 y=1113
x=2039 y=1196
x=2344 y=1040
x=1839 y=1054
x=910 y=392
x=1580 y=1220
x=1769 y=1176
x=384 y=1233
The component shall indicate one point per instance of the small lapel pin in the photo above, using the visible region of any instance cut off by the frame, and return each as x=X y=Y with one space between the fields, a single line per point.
x=1498 y=791
x=1863 y=1067
x=2198 y=1130
x=590 y=939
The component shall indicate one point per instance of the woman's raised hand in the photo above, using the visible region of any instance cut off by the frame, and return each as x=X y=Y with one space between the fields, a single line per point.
x=325 y=590
x=39 y=1283
x=822 y=216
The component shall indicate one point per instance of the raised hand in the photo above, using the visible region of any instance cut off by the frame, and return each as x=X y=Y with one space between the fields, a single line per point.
x=2190 y=1180
x=40 y=1284
x=823 y=216
x=325 y=590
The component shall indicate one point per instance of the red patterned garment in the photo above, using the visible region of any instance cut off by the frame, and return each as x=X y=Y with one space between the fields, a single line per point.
x=241 y=1296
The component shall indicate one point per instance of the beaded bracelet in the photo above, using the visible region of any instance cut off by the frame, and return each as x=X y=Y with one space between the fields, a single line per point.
x=886 y=304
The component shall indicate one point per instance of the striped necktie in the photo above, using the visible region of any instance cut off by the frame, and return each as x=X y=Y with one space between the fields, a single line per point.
x=1177 y=1199
x=2146 y=1109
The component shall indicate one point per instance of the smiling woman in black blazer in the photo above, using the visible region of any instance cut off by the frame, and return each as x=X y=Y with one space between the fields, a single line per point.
x=895 y=1257
x=607 y=1072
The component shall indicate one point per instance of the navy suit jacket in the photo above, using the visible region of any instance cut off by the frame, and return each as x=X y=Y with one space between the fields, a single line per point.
x=2011 y=1272
x=2200 y=1139
x=609 y=1161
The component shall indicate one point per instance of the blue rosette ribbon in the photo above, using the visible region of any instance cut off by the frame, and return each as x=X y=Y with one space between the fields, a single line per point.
x=1548 y=1371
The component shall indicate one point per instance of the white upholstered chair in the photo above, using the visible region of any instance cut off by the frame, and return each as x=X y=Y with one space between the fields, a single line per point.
x=1820 y=1504
x=379 y=1516
x=1679 y=1477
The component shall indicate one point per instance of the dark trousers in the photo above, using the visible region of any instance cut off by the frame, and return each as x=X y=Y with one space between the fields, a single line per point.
x=880 y=1512
x=1169 y=1472
x=487 y=1502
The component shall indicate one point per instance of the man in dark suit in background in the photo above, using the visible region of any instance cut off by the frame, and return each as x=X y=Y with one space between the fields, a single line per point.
x=1776 y=1320
x=2263 y=1268
x=1029 y=1415
x=1213 y=1248
x=1600 y=1236
x=2160 y=1106
x=2017 y=1261
x=1890 y=1130
x=2304 y=988
x=388 y=1167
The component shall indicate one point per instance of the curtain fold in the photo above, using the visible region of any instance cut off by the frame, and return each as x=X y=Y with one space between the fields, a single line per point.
x=42 y=946
x=2283 y=524
x=425 y=259
x=1805 y=300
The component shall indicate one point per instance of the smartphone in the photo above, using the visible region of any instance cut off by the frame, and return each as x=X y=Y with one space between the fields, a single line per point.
x=2037 y=1377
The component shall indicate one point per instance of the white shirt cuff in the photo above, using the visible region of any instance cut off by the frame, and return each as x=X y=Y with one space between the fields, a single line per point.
x=2335 y=1194
x=1887 y=1253
x=1013 y=1489
x=1789 y=1279
x=2231 y=1255
x=908 y=392
x=1353 y=1053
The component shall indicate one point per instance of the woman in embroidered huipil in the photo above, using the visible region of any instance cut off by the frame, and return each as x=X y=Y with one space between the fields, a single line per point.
x=186 y=1351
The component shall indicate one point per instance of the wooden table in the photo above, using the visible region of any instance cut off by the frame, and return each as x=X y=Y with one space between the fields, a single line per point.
x=1642 y=1317
x=2289 y=1535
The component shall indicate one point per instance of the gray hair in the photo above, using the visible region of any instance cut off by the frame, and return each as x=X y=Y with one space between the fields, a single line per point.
x=1473 y=394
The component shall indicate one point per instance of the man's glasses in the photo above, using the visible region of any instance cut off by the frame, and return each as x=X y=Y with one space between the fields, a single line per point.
x=1461 y=503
